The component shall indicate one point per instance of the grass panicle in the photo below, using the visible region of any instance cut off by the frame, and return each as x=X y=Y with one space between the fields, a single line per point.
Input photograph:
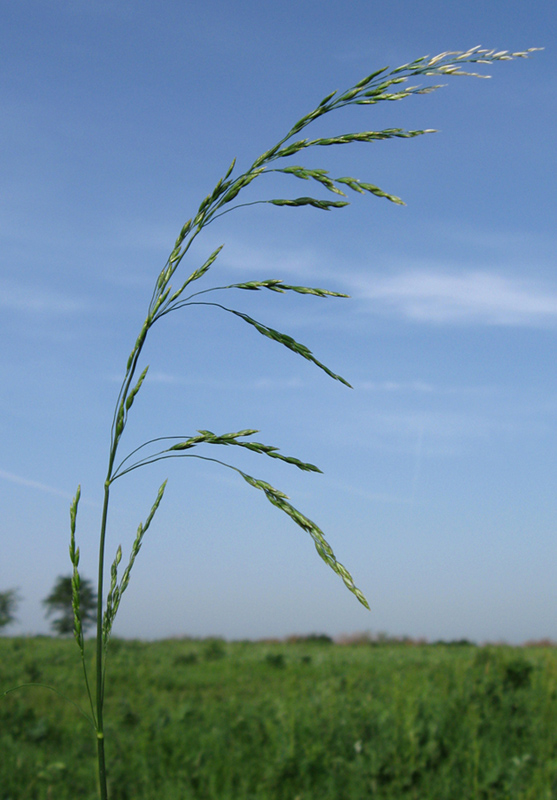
x=117 y=589
x=379 y=86
x=76 y=581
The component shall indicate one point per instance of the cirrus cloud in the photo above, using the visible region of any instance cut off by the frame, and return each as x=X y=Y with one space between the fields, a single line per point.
x=474 y=297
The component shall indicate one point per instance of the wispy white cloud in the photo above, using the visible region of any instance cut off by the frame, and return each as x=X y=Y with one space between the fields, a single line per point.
x=366 y=494
x=440 y=432
x=14 y=297
x=429 y=293
x=474 y=297
x=102 y=9
x=438 y=425
x=41 y=487
x=395 y=386
x=423 y=387
x=276 y=384
x=511 y=244
x=263 y=384
x=304 y=263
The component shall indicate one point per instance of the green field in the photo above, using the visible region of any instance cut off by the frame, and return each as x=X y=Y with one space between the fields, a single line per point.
x=300 y=721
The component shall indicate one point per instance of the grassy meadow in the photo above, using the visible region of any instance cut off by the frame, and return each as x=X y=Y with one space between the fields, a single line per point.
x=304 y=720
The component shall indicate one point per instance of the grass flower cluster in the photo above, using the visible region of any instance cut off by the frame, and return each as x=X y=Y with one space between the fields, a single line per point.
x=175 y=290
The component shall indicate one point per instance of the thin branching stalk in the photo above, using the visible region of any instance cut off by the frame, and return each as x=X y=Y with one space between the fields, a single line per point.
x=379 y=86
x=101 y=761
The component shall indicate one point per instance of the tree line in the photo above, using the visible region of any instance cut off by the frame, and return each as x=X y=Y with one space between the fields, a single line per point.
x=58 y=605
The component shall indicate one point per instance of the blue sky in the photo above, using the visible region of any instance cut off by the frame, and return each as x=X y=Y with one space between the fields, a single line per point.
x=438 y=490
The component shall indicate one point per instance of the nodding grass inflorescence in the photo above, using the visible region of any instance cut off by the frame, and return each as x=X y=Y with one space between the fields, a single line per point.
x=377 y=87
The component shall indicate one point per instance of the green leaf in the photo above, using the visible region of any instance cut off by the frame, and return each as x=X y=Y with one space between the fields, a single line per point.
x=131 y=396
x=325 y=205
x=116 y=592
x=276 y=285
x=347 y=138
x=326 y=99
x=287 y=341
x=196 y=274
x=227 y=439
x=319 y=175
x=280 y=500
x=360 y=186
x=229 y=171
x=365 y=81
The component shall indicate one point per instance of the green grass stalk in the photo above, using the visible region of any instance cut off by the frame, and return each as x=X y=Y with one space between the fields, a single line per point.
x=101 y=760
x=374 y=88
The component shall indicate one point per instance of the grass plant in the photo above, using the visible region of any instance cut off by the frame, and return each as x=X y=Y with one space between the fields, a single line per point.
x=175 y=290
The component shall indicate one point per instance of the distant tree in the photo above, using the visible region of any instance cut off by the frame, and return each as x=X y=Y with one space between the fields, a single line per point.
x=8 y=604
x=59 y=601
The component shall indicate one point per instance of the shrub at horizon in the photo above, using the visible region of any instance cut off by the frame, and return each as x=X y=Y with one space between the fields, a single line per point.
x=60 y=601
x=9 y=601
